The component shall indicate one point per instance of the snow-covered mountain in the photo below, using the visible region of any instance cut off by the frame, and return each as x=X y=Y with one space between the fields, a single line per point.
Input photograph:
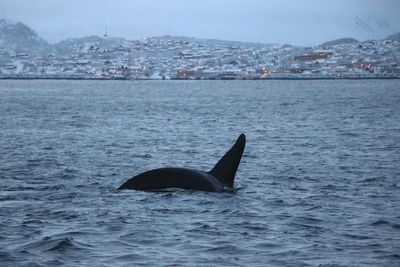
x=394 y=37
x=20 y=38
x=66 y=46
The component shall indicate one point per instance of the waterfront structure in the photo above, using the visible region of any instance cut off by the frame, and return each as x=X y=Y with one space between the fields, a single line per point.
x=187 y=58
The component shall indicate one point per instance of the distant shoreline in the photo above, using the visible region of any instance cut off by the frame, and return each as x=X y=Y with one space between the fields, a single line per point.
x=174 y=79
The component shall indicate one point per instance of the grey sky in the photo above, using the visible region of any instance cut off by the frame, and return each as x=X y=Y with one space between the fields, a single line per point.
x=303 y=22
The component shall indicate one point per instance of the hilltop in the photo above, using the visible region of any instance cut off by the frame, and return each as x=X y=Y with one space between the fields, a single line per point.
x=340 y=41
x=394 y=37
x=19 y=37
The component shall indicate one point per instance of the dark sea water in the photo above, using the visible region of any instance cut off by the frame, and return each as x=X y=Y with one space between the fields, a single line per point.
x=319 y=182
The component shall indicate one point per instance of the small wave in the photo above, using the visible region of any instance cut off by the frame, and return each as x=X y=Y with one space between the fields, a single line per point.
x=130 y=257
x=329 y=187
x=289 y=103
x=332 y=265
x=396 y=185
x=375 y=246
x=253 y=226
x=68 y=173
x=371 y=179
x=309 y=219
x=33 y=162
x=250 y=156
x=229 y=190
x=298 y=188
x=13 y=203
x=204 y=229
x=20 y=188
x=394 y=256
x=358 y=237
x=285 y=253
x=62 y=244
x=313 y=208
x=312 y=229
x=380 y=222
x=228 y=249
x=33 y=221
x=66 y=215
x=55 y=244
x=396 y=226
x=307 y=222
x=280 y=202
x=294 y=178
x=349 y=134
x=206 y=202
x=143 y=156
x=228 y=211
x=6 y=257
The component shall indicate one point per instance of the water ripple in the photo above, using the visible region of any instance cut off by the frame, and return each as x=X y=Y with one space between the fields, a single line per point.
x=317 y=186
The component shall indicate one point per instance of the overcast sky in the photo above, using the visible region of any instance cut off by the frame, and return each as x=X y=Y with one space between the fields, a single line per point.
x=301 y=22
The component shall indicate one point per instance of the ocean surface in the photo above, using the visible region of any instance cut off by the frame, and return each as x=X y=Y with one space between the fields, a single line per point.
x=318 y=185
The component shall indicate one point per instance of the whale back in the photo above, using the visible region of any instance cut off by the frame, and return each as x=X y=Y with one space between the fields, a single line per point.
x=226 y=167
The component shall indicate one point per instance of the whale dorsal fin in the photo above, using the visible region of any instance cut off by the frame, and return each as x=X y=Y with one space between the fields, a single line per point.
x=225 y=169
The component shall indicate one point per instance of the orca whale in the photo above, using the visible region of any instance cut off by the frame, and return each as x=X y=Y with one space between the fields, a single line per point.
x=219 y=179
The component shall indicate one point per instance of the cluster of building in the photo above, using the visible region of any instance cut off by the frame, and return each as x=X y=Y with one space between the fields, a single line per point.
x=184 y=58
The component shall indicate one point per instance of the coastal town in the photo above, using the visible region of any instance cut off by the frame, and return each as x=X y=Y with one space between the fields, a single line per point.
x=170 y=57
